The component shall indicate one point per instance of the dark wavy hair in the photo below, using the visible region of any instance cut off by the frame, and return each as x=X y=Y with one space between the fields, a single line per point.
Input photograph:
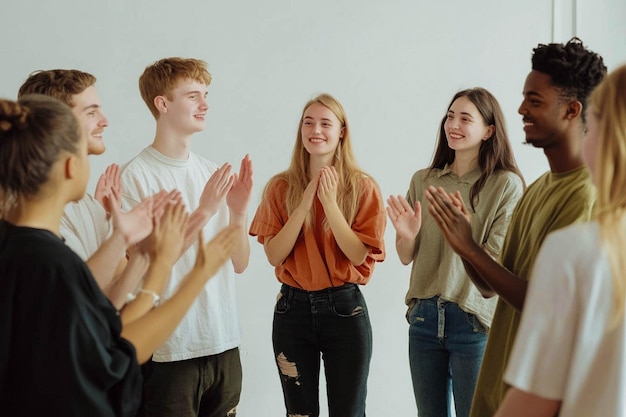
x=495 y=153
x=573 y=69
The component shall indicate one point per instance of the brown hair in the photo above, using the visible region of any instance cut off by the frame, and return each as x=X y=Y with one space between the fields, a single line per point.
x=61 y=84
x=160 y=78
x=33 y=132
x=494 y=154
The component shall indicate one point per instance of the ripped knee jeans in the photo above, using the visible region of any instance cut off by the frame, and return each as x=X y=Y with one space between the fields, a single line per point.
x=332 y=325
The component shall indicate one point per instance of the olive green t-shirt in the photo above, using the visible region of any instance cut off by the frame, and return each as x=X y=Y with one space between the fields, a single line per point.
x=553 y=201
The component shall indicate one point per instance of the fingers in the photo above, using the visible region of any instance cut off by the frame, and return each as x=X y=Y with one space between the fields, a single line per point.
x=455 y=198
x=158 y=199
x=394 y=209
x=219 y=248
x=221 y=181
x=174 y=211
x=117 y=195
x=112 y=176
x=101 y=184
x=146 y=204
x=221 y=175
x=441 y=204
x=226 y=239
x=438 y=197
x=394 y=204
x=462 y=205
x=223 y=171
x=163 y=198
x=229 y=183
x=180 y=216
x=117 y=180
x=173 y=220
x=399 y=206
x=112 y=201
x=107 y=182
x=435 y=208
x=329 y=174
x=327 y=181
x=245 y=172
x=405 y=206
x=435 y=213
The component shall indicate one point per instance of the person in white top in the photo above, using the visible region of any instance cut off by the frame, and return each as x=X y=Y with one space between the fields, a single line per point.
x=63 y=348
x=197 y=371
x=569 y=357
x=86 y=224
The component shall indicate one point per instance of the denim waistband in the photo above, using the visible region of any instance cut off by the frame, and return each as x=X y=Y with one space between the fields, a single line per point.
x=301 y=294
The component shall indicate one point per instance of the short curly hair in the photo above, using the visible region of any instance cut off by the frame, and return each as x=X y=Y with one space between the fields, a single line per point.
x=573 y=69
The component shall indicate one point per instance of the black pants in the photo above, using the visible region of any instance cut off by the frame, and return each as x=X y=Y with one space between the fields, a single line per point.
x=209 y=386
x=333 y=323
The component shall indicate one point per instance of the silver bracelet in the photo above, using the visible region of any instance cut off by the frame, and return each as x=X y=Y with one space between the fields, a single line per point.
x=156 y=299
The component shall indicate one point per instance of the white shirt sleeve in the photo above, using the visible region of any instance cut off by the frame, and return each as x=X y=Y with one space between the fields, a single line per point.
x=84 y=226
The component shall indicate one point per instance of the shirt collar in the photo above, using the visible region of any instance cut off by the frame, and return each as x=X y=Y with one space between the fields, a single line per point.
x=469 y=177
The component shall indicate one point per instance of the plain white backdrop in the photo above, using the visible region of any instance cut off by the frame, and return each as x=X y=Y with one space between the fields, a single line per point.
x=393 y=64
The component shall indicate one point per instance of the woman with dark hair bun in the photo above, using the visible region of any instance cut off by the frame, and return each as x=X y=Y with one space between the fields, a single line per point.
x=63 y=351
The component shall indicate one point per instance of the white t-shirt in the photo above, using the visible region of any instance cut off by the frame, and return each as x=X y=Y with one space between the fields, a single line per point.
x=211 y=325
x=565 y=347
x=84 y=226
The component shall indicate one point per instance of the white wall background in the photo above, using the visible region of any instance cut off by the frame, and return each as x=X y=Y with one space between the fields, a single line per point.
x=394 y=64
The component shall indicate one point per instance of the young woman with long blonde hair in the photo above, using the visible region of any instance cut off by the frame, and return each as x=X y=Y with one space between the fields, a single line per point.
x=322 y=223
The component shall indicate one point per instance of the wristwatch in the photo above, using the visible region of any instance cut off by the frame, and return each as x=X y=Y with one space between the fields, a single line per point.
x=156 y=299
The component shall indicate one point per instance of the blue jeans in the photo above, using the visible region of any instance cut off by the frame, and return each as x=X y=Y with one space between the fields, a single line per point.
x=332 y=323
x=446 y=347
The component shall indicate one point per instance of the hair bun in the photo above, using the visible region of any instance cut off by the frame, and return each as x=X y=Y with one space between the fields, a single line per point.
x=12 y=115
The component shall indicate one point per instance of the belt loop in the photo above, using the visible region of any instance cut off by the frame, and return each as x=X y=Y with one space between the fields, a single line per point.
x=287 y=292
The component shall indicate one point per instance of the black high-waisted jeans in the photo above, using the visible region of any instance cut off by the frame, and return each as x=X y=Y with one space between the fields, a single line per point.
x=334 y=323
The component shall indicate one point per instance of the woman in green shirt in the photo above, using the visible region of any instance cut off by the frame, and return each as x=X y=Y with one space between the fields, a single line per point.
x=449 y=318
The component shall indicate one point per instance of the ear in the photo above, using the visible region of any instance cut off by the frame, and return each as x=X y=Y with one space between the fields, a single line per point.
x=70 y=167
x=161 y=104
x=489 y=133
x=342 y=132
x=574 y=110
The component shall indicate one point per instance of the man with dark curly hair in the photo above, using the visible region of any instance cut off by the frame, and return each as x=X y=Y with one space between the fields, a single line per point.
x=555 y=98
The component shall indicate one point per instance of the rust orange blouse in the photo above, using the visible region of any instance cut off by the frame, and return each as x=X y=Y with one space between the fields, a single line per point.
x=316 y=262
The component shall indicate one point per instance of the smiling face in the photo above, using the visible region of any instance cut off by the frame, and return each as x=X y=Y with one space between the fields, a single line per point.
x=88 y=111
x=186 y=107
x=464 y=126
x=321 y=131
x=543 y=111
